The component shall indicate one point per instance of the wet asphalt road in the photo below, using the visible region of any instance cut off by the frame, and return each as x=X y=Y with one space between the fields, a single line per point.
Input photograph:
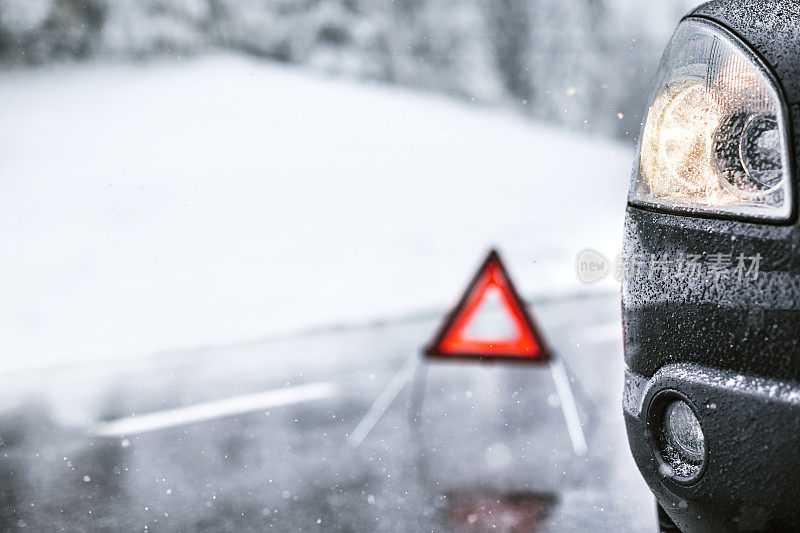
x=490 y=451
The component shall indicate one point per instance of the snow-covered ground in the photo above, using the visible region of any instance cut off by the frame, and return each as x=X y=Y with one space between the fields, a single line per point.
x=172 y=205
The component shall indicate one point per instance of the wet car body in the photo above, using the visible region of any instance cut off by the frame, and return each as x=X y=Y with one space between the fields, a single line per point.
x=728 y=346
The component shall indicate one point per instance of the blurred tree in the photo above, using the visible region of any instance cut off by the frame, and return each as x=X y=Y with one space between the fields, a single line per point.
x=143 y=27
x=569 y=57
x=510 y=31
x=582 y=63
x=35 y=31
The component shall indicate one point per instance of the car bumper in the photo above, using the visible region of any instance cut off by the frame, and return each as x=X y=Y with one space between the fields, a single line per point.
x=752 y=433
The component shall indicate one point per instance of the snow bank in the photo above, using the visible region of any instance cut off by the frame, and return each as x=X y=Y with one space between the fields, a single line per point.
x=147 y=208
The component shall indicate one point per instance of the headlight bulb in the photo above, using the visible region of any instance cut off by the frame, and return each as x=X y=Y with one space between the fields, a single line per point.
x=676 y=144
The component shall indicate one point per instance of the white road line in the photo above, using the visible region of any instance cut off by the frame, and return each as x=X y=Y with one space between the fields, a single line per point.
x=568 y=407
x=201 y=412
x=384 y=400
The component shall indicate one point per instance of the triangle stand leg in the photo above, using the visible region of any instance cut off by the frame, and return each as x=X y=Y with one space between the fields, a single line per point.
x=417 y=396
x=384 y=400
x=568 y=407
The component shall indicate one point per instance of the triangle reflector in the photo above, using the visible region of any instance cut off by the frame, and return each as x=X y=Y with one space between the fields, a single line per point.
x=467 y=330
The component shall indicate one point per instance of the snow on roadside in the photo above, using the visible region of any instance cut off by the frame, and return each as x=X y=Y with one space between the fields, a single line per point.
x=170 y=205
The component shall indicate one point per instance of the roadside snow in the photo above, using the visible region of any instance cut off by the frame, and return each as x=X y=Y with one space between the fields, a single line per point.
x=162 y=206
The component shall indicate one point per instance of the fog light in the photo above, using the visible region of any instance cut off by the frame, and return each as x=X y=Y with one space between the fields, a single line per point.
x=682 y=441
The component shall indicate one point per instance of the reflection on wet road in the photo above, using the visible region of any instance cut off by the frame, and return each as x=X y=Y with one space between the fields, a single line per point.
x=490 y=451
x=478 y=512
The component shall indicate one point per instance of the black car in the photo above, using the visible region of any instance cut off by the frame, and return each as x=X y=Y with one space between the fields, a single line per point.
x=711 y=286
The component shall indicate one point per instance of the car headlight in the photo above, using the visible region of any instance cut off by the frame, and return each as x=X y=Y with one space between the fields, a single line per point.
x=715 y=137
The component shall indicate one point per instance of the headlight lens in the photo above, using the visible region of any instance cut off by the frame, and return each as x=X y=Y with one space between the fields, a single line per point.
x=715 y=135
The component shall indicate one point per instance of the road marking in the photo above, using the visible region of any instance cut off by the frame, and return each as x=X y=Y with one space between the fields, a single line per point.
x=384 y=400
x=568 y=407
x=202 y=412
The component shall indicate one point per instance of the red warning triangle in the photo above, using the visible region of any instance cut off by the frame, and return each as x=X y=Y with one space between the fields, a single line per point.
x=457 y=337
